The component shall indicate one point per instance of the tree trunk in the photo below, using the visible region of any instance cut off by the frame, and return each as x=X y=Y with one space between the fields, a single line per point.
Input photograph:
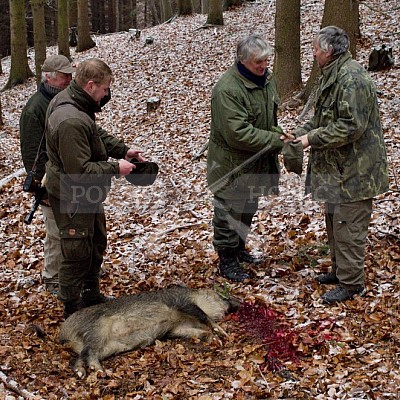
x=166 y=10
x=185 y=7
x=63 y=31
x=344 y=14
x=231 y=3
x=73 y=13
x=204 y=6
x=111 y=20
x=287 y=67
x=39 y=37
x=215 y=14
x=85 y=41
x=19 y=70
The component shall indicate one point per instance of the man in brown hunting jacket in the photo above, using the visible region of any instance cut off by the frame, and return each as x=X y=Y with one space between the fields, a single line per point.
x=78 y=178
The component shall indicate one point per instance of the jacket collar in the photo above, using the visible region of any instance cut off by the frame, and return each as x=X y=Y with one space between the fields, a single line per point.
x=248 y=83
x=330 y=72
x=83 y=99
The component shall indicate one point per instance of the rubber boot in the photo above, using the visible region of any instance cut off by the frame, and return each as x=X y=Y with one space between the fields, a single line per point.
x=229 y=265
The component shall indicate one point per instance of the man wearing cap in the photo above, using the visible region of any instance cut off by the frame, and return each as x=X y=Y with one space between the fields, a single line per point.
x=56 y=75
x=78 y=178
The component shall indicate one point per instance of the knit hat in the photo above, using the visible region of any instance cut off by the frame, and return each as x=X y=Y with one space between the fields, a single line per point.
x=58 y=63
x=144 y=174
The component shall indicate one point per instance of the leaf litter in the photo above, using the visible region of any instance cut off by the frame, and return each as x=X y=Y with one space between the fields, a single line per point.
x=283 y=343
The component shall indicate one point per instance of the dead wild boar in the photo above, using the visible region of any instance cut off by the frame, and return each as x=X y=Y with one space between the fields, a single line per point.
x=130 y=322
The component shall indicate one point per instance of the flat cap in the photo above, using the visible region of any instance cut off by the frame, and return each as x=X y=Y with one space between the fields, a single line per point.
x=58 y=63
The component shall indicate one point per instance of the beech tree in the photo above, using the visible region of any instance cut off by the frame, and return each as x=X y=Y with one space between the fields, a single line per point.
x=215 y=13
x=39 y=36
x=185 y=7
x=85 y=41
x=63 y=32
x=287 y=67
x=19 y=69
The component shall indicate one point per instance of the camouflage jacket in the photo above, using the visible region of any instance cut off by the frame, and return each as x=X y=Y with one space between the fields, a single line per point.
x=243 y=151
x=78 y=169
x=347 y=161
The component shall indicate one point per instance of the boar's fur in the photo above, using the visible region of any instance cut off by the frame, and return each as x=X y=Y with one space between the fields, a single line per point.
x=130 y=322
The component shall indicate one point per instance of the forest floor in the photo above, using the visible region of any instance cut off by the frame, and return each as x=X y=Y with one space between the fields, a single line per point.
x=162 y=235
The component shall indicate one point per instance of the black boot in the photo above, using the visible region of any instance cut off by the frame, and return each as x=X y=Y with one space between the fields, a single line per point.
x=72 y=307
x=70 y=296
x=329 y=278
x=91 y=297
x=229 y=265
x=245 y=256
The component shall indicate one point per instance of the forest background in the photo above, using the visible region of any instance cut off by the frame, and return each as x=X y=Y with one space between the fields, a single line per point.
x=162 y=235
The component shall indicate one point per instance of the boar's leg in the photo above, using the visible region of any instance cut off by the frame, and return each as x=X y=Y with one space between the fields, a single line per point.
x=188 y=327
x=87 y=357
x=195 y=311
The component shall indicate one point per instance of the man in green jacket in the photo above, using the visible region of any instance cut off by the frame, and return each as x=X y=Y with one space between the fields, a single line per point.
x=78 y=178
x=242 y=161
x=56 y=76
x=347 y=162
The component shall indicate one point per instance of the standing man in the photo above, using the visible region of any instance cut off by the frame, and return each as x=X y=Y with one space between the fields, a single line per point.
x=347 y=163
x=242 y=162
x=56 y=75
x=78 y=178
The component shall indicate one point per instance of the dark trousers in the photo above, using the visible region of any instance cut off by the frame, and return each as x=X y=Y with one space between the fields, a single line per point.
x=83 y=239
x=347 y=228
x=232 y=220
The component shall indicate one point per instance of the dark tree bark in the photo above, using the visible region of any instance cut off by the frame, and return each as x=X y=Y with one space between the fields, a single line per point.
x=166 y=10
x=63 y=31
x=73 y=13
x=39 y=36
x=215 y=14
x=19 y=70
x=185 y=7
x=287 y=67
x=85 y=41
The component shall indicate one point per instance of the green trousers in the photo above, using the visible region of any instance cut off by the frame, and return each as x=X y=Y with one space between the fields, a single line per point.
x=347 y=228
x=232 y=220
x=83 y=238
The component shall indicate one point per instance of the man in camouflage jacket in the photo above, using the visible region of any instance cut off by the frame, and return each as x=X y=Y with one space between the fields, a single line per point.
x=242 y=161
x=347 y=162
x=78 y=178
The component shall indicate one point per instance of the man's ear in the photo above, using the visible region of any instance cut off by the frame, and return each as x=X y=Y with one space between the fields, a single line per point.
x=89 y=87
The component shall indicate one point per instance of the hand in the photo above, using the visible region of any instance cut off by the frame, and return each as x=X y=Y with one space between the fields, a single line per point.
x=134 y=153
x=304 y=140
x=125 y=167
x=286 y=137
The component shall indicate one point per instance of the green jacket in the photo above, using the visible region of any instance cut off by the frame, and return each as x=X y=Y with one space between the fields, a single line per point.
x=243 y=152
x=78 y=169
x=31 y=129
x=348 y=161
